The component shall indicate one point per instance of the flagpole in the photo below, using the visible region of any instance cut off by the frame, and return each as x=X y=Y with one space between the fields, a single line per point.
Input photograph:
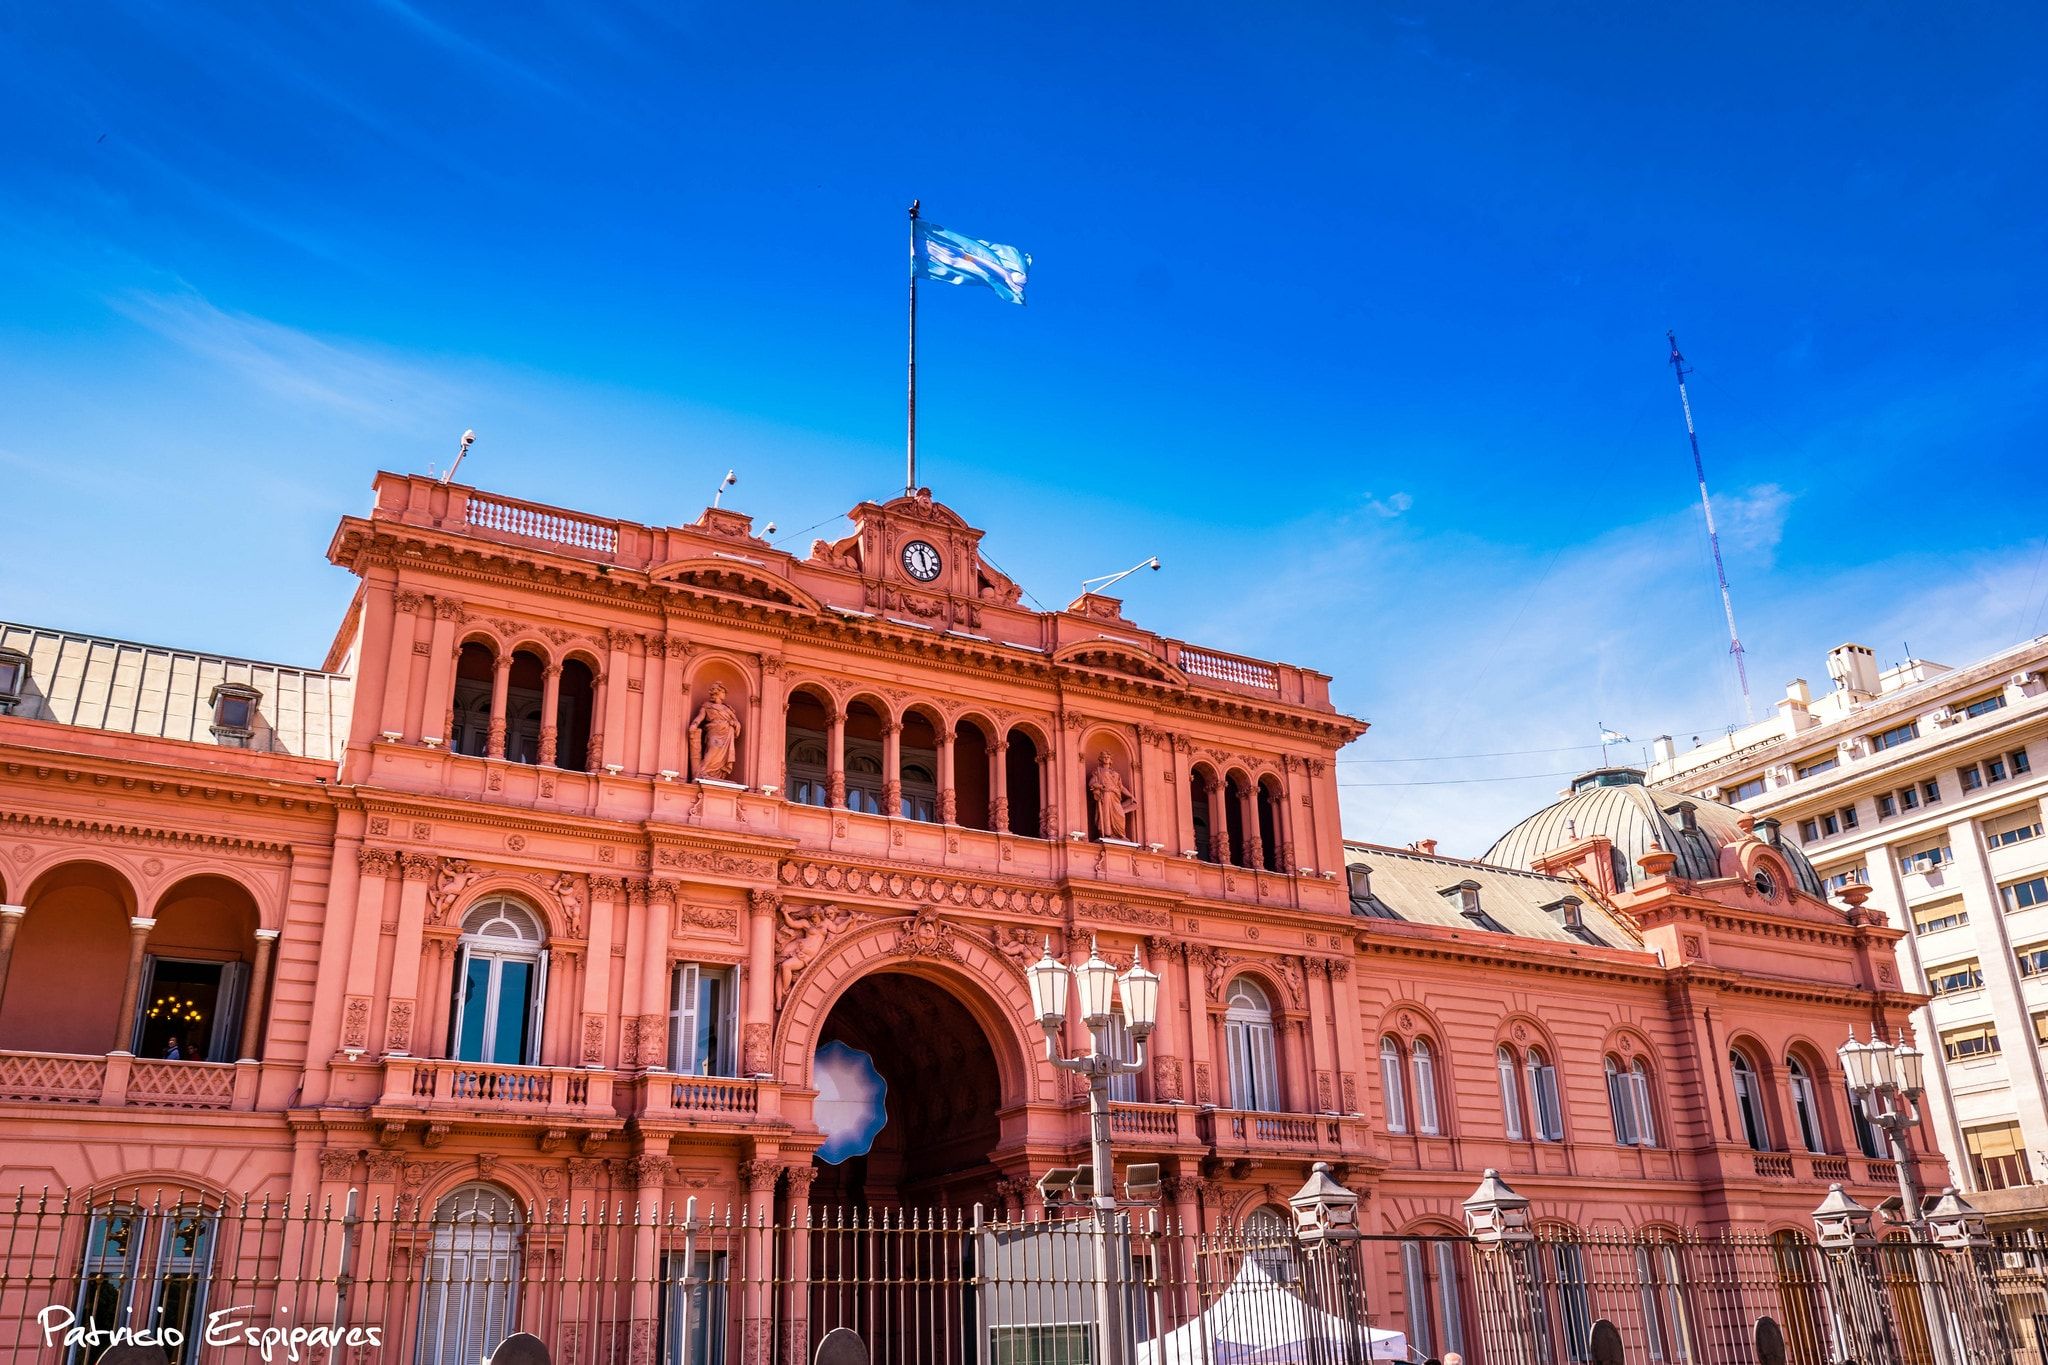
x=910 y=452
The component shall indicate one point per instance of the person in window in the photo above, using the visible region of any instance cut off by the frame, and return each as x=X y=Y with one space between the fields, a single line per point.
x=173 y=1051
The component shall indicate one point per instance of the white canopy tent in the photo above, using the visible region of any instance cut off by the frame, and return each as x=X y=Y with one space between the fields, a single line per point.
x=1259 y=1321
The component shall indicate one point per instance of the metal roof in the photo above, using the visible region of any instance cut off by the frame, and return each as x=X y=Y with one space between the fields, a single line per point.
x=1614 y=803
x=1412 y=886
x=108 y=684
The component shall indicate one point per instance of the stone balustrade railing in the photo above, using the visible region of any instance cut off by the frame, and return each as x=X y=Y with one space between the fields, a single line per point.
x=118 y=1079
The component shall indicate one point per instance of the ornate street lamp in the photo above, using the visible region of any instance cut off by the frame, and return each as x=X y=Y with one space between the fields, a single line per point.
x=1955 y=1225
x=1840 y=1222
x=1098 y=986
x=1494 y=1213
x=1887 y=1080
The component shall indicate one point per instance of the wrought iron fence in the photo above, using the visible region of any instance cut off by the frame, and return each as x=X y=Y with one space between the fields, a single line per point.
x=638 y=1281
x=635 y=1282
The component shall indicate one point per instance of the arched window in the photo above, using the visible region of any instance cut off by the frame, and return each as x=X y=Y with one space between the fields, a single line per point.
x=1621 y=1104
x=920 y=793
x=1248 y=1034
x=1425 y=1088
x=1510 y=1095
x=809 y=783
x=1667 y=1319
x=500 y=981
x=1749 y=1101
x=863 y=780
x=1866 y=1136
x=1805 y=1105
x=467 y=1290
x=1269 y=1240
x=1575 y=1301
x=147 y=1265
x=1390 y=1083
x=1267 y=795
x=1639 y=1092
x=1199 y=780
x=1545 y=1106
x=470 y=710
x=1429 y=1280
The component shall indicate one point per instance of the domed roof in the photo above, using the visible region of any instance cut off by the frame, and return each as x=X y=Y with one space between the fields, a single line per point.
x=1614 y=803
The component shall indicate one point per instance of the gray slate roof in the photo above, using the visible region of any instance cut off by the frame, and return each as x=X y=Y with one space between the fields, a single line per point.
x=1411 y=885
x=1615 y=803
x=136 y=689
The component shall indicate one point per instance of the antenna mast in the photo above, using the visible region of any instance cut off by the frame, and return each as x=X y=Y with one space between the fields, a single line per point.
x=1699 y=469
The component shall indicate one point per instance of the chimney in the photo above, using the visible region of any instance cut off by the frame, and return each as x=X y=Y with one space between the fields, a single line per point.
x=1854 y=670
x=1663 y=749
x=1798 y=691
x=1426 y=847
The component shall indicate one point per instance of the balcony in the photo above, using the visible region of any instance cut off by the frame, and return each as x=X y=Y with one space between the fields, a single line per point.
x=1150 y=1127
x=443 y=1092
x=117 y=1079
x=1242 y=1134
x=713 y=1103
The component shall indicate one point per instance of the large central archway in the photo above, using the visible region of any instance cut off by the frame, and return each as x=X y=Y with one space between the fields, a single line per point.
x=944 y=1090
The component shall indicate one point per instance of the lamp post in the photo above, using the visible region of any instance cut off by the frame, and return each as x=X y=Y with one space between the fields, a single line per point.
x=1098 y=981
x=1888 y=1080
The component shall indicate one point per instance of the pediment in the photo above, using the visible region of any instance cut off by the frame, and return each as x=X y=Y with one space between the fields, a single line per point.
x=734 y=579
x=1113 y=657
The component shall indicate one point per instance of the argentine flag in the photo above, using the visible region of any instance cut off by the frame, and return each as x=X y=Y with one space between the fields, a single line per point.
x=948 y=256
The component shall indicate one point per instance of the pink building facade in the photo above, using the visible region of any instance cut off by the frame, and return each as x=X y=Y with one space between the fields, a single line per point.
x=551 y=882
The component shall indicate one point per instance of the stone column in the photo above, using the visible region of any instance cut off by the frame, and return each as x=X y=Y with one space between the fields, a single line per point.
x=373 y=867
x=759 y=1176
x=400 y=1012
x=604 y=898
x=550 y=703
x=999 y=785
x=1344 y=1039
x=1248 y=811
x=796 y=1303
x=755 y=749
x=501 y=682
x=1185 y=1193
x=757 y=1028
x=670 y=754
x=397 y=679
x=632 y=985
x=1048 y=798
x=949 y=799
x=654 y=974
x=10 y=925
x=259 y=994
x=438 y=698
x=131 y=989
x=892 y=767
x=1204 y=1085
x=600 y=702
x=835 y=758
x=648 y=1172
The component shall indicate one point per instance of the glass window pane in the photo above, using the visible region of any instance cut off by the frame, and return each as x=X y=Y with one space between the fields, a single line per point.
x=508 y=1036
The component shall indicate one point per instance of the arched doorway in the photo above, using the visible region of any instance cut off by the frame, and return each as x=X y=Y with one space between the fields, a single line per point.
x=469 y=1291
x=943 y=1090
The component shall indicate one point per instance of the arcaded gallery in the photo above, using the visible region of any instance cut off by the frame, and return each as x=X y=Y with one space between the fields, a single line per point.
x=620 y=914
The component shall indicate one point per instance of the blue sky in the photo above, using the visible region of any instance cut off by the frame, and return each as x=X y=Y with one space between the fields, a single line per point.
x=1354 y=314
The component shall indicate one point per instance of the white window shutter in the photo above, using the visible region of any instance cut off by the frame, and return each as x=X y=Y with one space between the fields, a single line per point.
x=682 y=1020
x=536 y=1010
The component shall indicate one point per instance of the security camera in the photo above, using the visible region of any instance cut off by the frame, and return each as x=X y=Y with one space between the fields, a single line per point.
x=769 y=529
x=468 y=439
x=1155 y=561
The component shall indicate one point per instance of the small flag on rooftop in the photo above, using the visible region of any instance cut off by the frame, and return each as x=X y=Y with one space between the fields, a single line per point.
x=958 y=259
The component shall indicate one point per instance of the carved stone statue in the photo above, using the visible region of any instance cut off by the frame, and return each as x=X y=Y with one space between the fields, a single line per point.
x=1113 y=805
x=453 y=879
x=805 y=932
x=714 y=737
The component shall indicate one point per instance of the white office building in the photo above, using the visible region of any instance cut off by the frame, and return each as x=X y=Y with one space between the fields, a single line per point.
x=1927 y=782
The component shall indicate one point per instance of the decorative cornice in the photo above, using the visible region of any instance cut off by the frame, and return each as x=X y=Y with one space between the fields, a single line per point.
x=133 y=835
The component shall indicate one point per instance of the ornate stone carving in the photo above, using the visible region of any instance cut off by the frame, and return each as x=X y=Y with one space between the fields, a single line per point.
x=1203 y=1093
x=374 y=862
x=355 y=1022
x=398 y=1027
x=1019 y=944
x=805 y=931
x=646 y=1171
x=754 y=1050
x=455 y=876
x=1118 y=912
x=706 y=917
x=336 y=1163
x=1350 y=1093
x=1166 y=1079
x=924 y=934
x=759 y=1176
x=713 y=735
x=417 y=867
x=1326 y=1093
x=593 y=1040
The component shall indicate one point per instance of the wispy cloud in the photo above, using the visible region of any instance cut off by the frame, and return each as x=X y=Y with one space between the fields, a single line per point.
x=462 y=45
x=373 y=389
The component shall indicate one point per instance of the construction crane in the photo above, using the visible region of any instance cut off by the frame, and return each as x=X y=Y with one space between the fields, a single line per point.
x=1699 y=469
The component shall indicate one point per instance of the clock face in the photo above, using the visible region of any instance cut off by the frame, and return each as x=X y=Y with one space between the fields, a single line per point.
x=921 y=561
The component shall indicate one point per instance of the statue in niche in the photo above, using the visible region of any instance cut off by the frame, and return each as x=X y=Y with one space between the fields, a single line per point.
x=1113 y=804
x=714 y=737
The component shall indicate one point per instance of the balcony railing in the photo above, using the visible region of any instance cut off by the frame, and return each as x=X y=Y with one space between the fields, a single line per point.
x=120 y=1079
x=1773 y=1167
x=535 y=522
x=1254 y=1133
x=701 y=1096
x=1152 y=1124
x=537 y=1091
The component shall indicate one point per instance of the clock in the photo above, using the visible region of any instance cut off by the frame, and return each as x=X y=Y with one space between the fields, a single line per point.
x=921 y=561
